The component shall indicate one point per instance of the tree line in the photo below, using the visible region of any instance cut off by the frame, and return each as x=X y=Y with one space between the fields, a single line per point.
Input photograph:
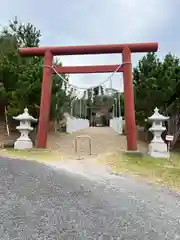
x=20 y=78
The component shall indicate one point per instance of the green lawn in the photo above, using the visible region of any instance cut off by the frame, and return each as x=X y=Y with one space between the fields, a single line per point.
x=162 y=171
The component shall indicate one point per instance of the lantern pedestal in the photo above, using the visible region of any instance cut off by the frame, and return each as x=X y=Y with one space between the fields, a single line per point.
x=158 y=149
x=23 y=142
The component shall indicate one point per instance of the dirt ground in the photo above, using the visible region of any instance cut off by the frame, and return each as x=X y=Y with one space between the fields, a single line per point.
x=104 y=140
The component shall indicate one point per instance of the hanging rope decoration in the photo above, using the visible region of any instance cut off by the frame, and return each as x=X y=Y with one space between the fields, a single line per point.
x=85 y=93
x=109 y=79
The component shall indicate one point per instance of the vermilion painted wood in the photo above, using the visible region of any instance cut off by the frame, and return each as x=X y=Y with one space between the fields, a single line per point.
x=43 y=125
x=129 y=101
x=90 y=49
x=88 y=69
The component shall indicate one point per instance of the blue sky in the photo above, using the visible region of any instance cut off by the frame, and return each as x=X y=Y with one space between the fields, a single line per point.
x=77 y=22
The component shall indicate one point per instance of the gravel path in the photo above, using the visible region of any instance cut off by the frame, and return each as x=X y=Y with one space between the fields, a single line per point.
x=39 y=202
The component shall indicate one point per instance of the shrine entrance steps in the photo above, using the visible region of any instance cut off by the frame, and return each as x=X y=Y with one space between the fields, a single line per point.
x=104 y=140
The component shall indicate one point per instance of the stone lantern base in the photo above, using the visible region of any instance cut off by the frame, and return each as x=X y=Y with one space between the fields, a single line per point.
x=158 y=150
x=23 y=144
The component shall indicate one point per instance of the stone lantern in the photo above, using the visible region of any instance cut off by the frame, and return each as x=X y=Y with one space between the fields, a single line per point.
x=157 y=147
x=24 y=142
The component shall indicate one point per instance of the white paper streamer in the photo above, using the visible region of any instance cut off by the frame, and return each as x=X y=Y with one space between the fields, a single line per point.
x=74 y=92
x=79 y=94
x=92 y=93
x=67 y=89
x=86 y=95
x=63 y=86
x=110 y=83
x=99 y=91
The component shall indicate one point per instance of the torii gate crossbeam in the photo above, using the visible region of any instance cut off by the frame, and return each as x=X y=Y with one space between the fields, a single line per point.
x=124 y=49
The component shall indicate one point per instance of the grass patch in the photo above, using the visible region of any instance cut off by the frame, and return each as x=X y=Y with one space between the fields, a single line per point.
x=40 y=155
x=154 y=170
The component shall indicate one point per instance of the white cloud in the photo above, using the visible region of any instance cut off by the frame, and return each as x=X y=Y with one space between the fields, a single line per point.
x=97 y=22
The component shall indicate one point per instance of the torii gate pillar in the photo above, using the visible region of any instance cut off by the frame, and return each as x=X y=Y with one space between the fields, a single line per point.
x=130 y=123
x=43 y=125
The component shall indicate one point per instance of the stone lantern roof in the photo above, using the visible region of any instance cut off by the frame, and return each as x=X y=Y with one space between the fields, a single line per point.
x=25 y=117
x=157 y=116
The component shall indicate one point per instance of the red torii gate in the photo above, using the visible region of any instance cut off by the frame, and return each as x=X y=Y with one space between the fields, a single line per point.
x=126 y=68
